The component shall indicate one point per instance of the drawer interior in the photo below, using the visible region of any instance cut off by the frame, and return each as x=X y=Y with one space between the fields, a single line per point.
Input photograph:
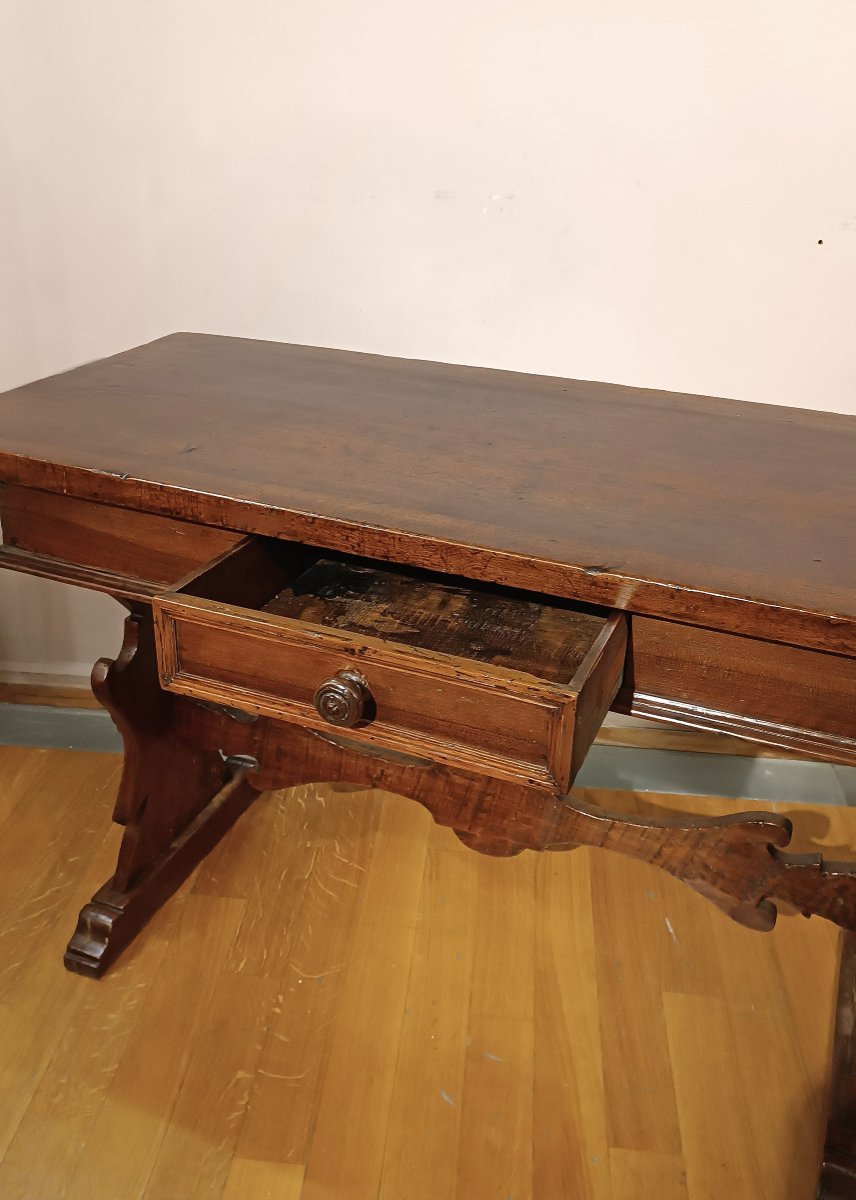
x=519 y=631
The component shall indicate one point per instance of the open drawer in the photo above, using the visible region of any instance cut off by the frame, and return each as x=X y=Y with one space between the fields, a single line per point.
x=488 y=679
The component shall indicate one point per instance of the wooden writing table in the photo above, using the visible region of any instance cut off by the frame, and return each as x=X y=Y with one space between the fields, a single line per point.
x=437 y=580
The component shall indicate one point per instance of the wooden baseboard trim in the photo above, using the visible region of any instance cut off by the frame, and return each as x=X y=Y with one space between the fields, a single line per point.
x=49 y=694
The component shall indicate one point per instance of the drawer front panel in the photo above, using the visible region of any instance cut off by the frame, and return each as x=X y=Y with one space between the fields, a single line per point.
x=420 y=706
x=802 y=700
x=509 y=685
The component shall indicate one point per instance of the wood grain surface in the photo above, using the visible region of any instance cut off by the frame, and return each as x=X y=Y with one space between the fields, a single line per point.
x=518 y=630
x=734 y=516
x=344 y=1002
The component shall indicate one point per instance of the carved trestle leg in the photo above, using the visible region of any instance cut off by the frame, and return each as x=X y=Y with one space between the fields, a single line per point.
x=175 y=800
x=838 y=1172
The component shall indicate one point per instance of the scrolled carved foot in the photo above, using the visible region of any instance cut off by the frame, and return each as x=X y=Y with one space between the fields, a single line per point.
x=113 y=917
x=175 y=801
x=87 y=952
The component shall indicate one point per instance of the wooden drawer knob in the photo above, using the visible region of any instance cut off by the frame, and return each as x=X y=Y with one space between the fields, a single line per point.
x=344 y=699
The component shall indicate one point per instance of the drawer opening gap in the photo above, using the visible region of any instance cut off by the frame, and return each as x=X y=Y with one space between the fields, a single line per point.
x=544 y=636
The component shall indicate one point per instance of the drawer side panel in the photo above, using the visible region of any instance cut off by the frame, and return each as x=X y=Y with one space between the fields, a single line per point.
x=142 y=546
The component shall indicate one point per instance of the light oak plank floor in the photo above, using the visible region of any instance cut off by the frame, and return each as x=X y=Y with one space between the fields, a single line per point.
x=346 y=1004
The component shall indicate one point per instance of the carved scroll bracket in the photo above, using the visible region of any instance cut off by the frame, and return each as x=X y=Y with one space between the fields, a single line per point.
x=739 y=862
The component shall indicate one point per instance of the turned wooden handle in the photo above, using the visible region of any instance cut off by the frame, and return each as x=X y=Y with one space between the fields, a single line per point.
x=344 y=699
